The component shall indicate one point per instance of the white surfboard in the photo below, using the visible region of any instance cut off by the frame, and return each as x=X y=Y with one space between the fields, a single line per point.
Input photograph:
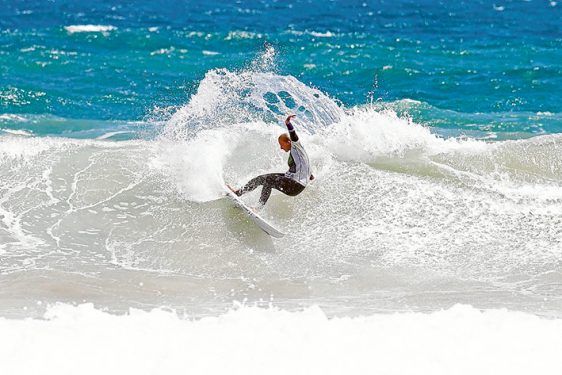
x=260 y=221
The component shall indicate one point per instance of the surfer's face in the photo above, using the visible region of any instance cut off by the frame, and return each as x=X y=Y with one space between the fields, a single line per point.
x=285 y=142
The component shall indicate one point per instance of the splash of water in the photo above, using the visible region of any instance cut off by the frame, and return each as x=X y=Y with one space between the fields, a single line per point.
x=225 y=98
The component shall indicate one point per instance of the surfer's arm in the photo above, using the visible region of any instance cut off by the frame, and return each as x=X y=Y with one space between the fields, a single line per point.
x=291 y=129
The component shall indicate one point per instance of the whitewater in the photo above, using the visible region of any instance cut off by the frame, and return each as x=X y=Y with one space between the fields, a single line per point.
x=461 y=340
x=125 y=252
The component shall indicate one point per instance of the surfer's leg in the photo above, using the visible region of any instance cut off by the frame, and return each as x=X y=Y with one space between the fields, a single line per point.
x=251 y=185
x=288 y=186
x=257 y=181
x=270 y=181
x=279 y=182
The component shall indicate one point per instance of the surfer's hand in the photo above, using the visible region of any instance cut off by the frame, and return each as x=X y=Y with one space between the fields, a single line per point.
x=288 y=119
x=311 y=177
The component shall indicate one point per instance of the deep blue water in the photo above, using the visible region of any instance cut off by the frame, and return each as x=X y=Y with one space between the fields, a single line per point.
x=479 y=65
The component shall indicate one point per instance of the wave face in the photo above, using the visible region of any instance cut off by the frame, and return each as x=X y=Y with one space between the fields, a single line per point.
x=400 y=217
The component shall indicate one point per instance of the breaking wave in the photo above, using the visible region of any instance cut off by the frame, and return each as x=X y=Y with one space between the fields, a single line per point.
x=395 y=206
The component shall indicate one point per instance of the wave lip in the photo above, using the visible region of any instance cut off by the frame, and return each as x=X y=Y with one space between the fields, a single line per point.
x=460 y=340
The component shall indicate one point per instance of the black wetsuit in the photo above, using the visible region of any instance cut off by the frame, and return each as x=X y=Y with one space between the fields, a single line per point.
x=290 y=183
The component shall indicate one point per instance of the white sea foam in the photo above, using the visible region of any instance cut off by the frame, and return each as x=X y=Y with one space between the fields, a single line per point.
x=89 y=28
x=12 y=117
x=112 y=134
x=27 y=148
x=317 y=34
x=24 y=148
x=24 y=133
x=365 y=134
x=224 y=98
x=28 y=49
x=197 y=165
x=327 y=34
x=163 y=51
x=249 y=340
x=234 y=35
x=210 y=53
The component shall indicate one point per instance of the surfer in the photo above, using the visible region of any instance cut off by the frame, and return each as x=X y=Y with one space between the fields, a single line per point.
x=293 y=181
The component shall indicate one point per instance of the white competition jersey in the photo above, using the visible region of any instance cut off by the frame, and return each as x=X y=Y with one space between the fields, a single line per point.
x=299 y=165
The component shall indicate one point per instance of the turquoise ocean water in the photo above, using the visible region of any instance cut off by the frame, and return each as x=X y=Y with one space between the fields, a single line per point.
x=467 y=65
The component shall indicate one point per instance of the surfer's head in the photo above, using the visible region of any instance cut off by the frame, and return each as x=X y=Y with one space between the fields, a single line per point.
x=285 y=142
